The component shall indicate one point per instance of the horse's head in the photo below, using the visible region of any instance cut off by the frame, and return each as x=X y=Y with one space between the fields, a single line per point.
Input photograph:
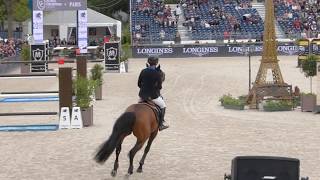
x=158 y=68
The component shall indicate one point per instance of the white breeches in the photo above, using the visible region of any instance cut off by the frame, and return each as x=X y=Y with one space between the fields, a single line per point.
x=160 y=102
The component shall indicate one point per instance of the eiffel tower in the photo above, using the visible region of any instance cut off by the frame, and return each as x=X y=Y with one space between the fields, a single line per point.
x=269 y=63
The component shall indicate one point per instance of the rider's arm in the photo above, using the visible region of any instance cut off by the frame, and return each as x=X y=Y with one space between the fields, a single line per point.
x=140 y=79
x=159 y=82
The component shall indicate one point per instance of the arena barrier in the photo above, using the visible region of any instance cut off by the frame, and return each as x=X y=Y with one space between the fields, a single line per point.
x=50 y=62
x=210 y=50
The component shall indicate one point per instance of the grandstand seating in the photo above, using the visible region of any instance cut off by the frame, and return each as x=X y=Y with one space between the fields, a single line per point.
x=296 y=17
x=249 y=22
x=147 y=24
x=218 y=20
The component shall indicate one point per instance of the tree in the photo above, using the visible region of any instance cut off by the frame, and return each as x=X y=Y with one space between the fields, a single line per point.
x=309 y=67
x=22 y=11
x=109 y=7
x=15 y=10
x=9 y=11
x=3 y=15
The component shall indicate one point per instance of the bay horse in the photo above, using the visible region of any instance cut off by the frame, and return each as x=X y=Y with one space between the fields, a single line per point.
x=139 y=119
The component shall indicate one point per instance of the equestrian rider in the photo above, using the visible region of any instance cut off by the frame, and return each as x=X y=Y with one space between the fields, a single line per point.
x=150 y=84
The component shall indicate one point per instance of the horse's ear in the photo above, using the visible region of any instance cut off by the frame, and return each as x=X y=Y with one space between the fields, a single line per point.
x=158 y=67
x=147 y=65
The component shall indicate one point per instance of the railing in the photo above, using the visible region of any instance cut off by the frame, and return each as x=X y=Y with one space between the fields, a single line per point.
x=16 y=35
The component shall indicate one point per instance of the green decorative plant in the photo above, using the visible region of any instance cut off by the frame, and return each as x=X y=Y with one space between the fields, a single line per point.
x=309 y=67
x=243 y=98
x=223 y=97
x=278 y=105
x=25 y=53
x=307 y=94
x=123 y=58
x=83 y=89
x=97 y=74
x=296 y=101
x=64 y=52
x=229 y=100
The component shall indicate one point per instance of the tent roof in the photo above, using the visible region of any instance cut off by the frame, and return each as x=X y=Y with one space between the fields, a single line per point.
x=69 y=18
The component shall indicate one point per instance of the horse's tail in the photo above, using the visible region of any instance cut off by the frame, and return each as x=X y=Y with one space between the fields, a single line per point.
x=123 y=125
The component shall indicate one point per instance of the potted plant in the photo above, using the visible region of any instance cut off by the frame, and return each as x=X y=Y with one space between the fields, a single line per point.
x=124 y=59
x=308 y=102
x=25 y=56
x=277 y=105
x=309 y=67
x=97 y=77
x=229 y=102
x=221 y=99
x=83 y=90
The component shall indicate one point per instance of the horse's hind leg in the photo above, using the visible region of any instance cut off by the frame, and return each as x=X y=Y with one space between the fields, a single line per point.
x=116 y=163
x=132 y=152
x=146 y=150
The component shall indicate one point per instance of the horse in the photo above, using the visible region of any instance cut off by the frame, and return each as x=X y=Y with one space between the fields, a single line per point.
x=139 y=119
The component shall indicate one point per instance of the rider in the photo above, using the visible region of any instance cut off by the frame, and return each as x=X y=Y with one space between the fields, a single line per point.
x=150 y=84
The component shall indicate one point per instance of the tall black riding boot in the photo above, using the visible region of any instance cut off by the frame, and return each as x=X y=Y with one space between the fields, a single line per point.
x=161 y=125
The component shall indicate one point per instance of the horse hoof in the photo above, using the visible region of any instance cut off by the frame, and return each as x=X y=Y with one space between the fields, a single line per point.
x=113 y=173
x=139 y=170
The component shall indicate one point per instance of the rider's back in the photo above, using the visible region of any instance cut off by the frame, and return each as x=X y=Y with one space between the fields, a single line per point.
x=149 y=83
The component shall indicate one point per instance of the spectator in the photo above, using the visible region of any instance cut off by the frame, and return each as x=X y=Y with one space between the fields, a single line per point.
x=162 y=34
x=9 y=47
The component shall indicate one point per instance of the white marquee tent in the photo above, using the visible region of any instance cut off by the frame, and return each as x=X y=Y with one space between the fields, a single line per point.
x=63 y=21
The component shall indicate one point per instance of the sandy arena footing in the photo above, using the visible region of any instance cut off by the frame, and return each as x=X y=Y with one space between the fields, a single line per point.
x=202 y=139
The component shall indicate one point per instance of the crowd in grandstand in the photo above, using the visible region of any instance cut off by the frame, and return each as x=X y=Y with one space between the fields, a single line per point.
x=221 y=19
x=299 y=16
x=9 y=47
x=153 y=17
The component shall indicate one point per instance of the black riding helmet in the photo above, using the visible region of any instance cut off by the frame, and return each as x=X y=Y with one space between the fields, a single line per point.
x=153 y=60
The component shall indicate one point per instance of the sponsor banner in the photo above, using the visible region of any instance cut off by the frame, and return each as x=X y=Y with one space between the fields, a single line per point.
x=38 y=52
x=82 y=30
x=303 y=46
x=38 y=56
x=315 y=46
x=199 y=51
x=59 y=5
x=37 y=26
x=210 y=50
x=112 y=56
x=159 y=51
x=238 y=50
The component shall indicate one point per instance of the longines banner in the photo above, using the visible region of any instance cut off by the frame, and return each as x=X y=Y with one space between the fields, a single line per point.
x=59 y=5
x=209 y=50
x=112 y=56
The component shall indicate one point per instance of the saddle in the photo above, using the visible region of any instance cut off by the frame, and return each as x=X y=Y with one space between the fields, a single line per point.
x=155 y=108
